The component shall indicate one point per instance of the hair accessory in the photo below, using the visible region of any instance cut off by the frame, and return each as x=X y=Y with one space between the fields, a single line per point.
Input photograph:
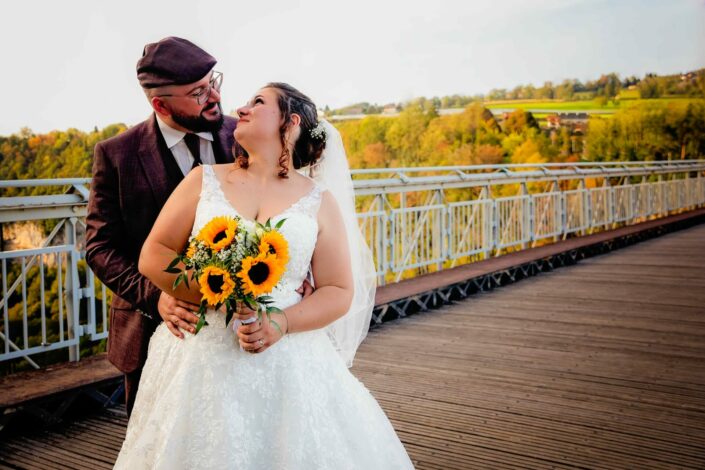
x=318 y=132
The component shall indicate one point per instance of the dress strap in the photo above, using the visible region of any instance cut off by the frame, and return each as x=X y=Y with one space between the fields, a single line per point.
x=310 y=203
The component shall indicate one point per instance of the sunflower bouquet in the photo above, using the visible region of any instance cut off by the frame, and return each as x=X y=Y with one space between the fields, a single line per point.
x=231 y=263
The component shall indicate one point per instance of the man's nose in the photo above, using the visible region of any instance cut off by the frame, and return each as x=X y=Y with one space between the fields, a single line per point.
x=214 y=97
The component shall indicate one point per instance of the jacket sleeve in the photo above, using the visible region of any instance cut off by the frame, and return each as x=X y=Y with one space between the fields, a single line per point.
x=105 y=238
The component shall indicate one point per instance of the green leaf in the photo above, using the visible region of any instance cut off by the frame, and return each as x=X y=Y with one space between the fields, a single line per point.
x=173 y=264
x=172 y=270
x=177 y=281
x=250 y=303
x=279 y=224
x=201 y=322
x=275 y=310
x=276 y=325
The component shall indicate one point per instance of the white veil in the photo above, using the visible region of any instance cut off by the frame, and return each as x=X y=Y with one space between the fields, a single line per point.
x=332 y=172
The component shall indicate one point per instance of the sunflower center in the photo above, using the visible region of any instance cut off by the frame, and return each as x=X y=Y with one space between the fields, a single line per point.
x=258 y=273
x=272 y=250
x=219 y=236
x=215 y=283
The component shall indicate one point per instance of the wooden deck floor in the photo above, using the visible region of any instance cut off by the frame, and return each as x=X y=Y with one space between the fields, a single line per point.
x=597 y=365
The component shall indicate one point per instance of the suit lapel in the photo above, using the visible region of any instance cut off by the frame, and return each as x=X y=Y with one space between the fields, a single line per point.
x=160 y=167
x=158 y=163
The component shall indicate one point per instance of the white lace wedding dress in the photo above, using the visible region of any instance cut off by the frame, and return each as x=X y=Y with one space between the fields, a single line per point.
x=205 y=404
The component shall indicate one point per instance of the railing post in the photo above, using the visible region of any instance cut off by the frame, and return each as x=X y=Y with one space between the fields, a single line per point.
x=588 y=210
x=494 y=222
x=443 y=229
x=528 y=221
x=609 y=202
x=632 y=200
x=72 y=292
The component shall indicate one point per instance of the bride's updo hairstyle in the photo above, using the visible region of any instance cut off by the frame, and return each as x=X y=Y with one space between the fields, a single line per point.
x=312 y=138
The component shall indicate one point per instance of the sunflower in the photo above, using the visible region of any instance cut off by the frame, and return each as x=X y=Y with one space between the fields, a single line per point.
x=274 y=243
x=260 y=274
x=216 y=284
x=219 y=232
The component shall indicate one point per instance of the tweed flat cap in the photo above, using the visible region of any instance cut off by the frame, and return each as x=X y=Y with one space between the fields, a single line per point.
x=173 y=61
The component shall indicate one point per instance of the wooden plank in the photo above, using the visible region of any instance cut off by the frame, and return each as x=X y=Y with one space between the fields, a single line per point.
x=23 y=387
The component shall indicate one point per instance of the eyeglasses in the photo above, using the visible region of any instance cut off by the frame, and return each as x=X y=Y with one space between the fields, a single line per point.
x=202 y=96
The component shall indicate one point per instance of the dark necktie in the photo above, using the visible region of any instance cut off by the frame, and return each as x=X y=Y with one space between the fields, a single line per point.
x=193 y=142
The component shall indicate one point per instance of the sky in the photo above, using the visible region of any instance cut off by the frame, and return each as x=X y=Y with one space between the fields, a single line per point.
x=72 y=63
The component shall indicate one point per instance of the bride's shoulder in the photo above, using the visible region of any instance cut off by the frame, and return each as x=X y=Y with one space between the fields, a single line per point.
x=194 y=176
x=328 y=207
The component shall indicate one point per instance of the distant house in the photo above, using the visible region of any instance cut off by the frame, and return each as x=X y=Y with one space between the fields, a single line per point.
x=389 y=109
x=574 y=121
x=553 y=121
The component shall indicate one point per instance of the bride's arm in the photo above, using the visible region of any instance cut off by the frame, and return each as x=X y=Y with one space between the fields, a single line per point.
x=331 y=270
x=169 y=236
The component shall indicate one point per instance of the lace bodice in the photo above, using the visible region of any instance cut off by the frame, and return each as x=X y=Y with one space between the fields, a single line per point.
x=300 y=230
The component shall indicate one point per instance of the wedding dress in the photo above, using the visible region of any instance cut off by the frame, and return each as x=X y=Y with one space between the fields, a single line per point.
x=205 y=403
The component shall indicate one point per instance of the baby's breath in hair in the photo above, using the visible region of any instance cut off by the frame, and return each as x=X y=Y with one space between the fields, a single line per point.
x=318 y=132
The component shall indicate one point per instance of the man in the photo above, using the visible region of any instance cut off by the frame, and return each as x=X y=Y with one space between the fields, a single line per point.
x=133 y=175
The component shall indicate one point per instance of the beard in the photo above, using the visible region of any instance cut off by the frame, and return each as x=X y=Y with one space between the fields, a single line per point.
x=200 y=123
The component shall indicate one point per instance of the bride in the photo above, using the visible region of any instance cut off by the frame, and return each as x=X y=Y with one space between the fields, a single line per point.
x=262 y=397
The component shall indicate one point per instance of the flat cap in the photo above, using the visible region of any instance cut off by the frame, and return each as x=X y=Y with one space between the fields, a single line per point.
x=173 y=61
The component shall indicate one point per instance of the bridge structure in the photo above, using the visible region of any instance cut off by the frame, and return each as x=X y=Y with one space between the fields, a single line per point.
x=438 y=235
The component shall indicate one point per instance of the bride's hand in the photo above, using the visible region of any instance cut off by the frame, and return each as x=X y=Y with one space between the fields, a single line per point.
x=260 y=335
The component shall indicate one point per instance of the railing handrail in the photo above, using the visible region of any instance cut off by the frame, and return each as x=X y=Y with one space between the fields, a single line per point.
x=682 y=165
x=29 y=183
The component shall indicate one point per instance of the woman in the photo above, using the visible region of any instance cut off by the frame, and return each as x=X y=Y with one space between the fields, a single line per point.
x=265 y=397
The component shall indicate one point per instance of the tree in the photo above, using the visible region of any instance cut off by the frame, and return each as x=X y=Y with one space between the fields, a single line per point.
x=519 y=121
x=649 y=87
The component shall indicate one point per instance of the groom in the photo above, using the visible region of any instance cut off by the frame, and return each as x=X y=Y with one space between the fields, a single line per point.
x=133 y=175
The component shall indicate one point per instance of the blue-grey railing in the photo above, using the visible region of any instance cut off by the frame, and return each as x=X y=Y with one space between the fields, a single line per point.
x=415 y=220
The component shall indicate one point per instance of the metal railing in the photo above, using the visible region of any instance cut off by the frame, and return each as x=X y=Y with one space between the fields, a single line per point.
x=416 y=220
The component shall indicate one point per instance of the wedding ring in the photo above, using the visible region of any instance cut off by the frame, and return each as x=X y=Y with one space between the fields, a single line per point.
x=260 y=342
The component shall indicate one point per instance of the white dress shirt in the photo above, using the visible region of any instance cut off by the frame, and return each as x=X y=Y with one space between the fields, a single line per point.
x=175 y=141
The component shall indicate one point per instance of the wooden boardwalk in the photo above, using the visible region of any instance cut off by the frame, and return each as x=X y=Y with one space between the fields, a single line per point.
x=597 y=365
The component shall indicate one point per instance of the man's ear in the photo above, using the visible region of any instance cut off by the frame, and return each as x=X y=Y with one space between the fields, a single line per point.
x=159 y=105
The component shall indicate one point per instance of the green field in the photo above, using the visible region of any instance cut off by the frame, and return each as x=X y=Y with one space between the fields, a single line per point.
x=558 y=106
x=550 y=104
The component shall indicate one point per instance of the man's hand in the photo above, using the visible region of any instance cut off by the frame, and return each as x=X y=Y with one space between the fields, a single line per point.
x=306 y=289
x=177 y=314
